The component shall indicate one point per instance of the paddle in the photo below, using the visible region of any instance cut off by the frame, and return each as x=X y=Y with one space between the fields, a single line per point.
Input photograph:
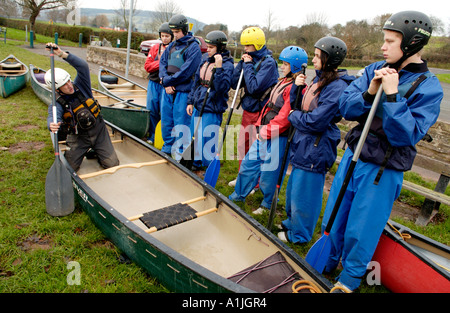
x=318 y=254
x=59 y=197
x=213 y=170
x=187 y=158
x=159 y=141
x=273 y=206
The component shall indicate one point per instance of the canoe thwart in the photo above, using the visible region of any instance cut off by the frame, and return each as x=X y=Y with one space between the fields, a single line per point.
x=114 y=169
x=171 y=215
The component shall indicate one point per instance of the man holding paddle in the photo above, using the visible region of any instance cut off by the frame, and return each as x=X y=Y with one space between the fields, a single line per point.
x=78 y=113
x=402 y=115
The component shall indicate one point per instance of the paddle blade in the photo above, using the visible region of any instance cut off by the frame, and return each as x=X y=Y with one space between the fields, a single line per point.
x=187 y=158
x=212 y=172
x=59 y=197
x=318 y=255
x=158 y=142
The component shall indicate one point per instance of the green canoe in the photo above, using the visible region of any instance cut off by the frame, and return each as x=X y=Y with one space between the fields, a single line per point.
x=13 y=75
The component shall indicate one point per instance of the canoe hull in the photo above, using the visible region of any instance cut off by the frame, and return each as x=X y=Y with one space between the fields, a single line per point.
x=11 y=82
x=404 y=270
x=41 y=91
x=169 y=266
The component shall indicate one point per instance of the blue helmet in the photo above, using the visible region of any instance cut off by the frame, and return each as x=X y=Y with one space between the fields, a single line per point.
x=295 y=56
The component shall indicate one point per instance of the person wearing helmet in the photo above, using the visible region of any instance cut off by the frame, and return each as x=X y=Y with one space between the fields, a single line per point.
x=263 y=160
x=215 y=71
x=78 y=114
x=177 y=67
x=260 y=75
x=409 y=106
x=155 y=90
x=313 y=148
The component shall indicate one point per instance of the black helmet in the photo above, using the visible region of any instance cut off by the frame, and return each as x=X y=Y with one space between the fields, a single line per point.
x=218 y=39
x=336 y=50
x=164 y=28
x=415 y=27
x=179 y=21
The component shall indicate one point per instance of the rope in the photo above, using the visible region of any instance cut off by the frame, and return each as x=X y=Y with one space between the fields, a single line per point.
x=308 y=285
x=339 y=288
x=403 y=236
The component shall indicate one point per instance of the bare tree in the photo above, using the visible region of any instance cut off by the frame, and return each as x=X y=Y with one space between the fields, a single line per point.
x=8 y=8
x=33 y=8
x=164 y=10
x=269 y=23
x=124 y=12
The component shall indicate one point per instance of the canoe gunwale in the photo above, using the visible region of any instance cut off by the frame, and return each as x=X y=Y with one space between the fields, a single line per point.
x=177 y=257
x=392 y=235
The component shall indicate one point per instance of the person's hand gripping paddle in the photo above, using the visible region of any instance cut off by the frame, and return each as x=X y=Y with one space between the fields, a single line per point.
x=59 y=196
x=319 y=253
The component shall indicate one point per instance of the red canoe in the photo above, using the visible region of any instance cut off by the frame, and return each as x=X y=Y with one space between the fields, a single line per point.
x=411 y=262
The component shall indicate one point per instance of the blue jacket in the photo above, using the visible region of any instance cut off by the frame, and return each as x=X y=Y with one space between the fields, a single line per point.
x=314 y=145
x=218 y=96
x=182 y=80
x=400 y=124
x=82 y=81
x=259 y=75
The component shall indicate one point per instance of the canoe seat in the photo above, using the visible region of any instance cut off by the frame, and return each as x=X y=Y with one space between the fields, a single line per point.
x=40 y=77
x=171 y=215
x=271 y=275
x=114 y=86
x=11 y=66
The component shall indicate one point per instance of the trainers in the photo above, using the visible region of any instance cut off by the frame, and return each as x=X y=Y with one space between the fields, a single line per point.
x=260 y=210
x=340 y=288
x=283 y=236
x=232 y=183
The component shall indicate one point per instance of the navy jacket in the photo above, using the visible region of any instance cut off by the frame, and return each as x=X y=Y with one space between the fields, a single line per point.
x=182 y=80
x=218 y=96
x=400 y=124
x=259 y=75
x=314 y=145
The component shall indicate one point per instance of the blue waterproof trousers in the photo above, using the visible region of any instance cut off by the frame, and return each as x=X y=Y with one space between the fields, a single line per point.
x=207 y=139
x=303 y=204
x=361 y=218
x=262 y=161
x=175 y=123
x=154 y=93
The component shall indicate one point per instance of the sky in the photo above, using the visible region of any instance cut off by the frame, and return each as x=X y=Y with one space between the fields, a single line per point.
x=236 y=13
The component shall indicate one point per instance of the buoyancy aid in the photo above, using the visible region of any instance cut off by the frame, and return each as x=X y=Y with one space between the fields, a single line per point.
x=275 y=102
x=377 y=149
x=206 y=73
x=176 y=57
x=79 y=111
x=310 y=98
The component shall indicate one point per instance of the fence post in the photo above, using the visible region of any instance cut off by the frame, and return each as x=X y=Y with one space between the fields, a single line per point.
x=56 y=38
x=80 y=40
x=31 y=38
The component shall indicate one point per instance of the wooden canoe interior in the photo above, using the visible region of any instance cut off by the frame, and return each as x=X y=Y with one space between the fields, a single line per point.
x=126 y=90
x=105 y=100
x=11 y=67
x=220 y=241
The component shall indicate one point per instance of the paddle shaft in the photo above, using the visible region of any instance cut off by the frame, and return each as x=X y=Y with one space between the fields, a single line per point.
x=186 y=160
x=273 y=206
x=355 y=158
x=54 y=111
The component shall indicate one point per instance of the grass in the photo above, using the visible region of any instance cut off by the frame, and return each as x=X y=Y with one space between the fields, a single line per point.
x=35 y=248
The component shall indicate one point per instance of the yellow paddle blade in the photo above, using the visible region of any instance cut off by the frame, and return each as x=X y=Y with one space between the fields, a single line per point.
x=159 y=142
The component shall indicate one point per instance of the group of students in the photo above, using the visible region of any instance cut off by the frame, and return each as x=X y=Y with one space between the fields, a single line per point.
x=184 y=85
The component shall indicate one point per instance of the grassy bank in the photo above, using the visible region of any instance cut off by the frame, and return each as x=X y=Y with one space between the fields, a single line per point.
x=35 y=248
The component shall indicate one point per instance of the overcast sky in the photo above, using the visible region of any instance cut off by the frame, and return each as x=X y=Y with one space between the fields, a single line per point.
x=236 y=13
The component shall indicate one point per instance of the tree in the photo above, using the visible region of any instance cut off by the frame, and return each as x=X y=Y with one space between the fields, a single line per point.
x=124 y=12
x=8 y=8
x=34 y=7
x=164 y=10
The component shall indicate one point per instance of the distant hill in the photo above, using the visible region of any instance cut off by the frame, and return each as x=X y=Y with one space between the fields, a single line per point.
x=140 y=18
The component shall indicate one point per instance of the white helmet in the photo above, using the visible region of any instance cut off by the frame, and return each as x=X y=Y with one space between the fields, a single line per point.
x=61 y=78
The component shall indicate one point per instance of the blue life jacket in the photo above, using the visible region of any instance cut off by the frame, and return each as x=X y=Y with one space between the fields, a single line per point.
x=176 y=58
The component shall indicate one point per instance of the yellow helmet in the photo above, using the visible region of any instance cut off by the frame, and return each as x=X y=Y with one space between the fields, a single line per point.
x=253 y=36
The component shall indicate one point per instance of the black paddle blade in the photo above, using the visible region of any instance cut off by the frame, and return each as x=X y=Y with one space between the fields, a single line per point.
x=187 y=158
x=59 y=197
